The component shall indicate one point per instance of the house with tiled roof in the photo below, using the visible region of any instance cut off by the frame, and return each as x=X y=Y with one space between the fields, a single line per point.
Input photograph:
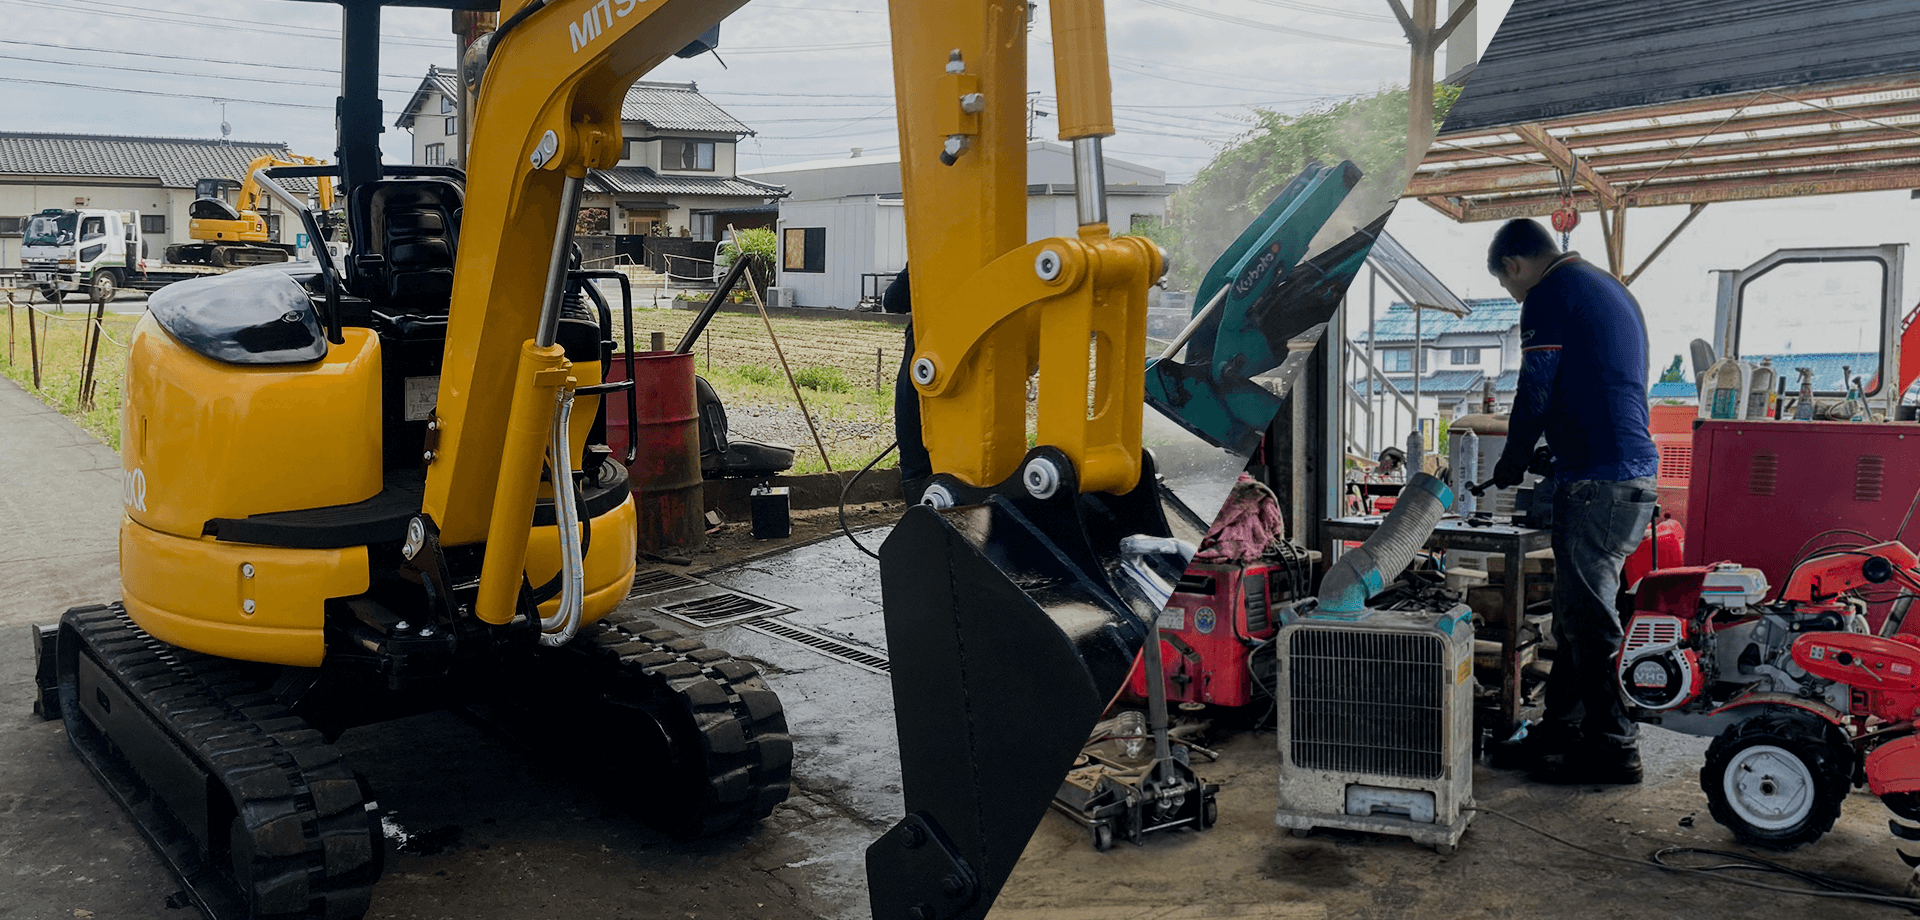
x=153 y=175
x=676 y=176
x=1454 y=357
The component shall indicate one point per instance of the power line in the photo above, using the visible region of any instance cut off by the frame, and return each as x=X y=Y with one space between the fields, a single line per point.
x=151 y=92
x=185 y=57
x=203 y=76
x=1327 y=10
x=224 y=25
x=1267 y=26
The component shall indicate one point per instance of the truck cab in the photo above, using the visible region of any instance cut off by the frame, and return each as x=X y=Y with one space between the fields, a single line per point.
x=84 y=249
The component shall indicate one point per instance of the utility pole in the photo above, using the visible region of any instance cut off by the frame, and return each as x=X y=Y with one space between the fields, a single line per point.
x=1424 y=38
x=1034 y=113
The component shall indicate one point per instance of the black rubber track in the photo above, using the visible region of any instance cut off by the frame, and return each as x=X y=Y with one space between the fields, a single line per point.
x=726 y=760
x=297 y=840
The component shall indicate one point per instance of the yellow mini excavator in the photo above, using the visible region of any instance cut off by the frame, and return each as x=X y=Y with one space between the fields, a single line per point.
x=233 y=235
x=374 y=485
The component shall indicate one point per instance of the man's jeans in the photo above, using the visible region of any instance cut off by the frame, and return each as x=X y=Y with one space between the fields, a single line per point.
x=1596 y=526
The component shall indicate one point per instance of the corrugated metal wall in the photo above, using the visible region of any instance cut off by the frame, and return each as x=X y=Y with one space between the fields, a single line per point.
x=1553 y=58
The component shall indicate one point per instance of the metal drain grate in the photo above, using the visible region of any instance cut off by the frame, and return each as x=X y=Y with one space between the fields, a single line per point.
x=825 y=645
x=660 y=581
x=723 y=608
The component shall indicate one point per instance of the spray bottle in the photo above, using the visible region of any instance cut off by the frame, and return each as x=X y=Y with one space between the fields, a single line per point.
x=1723 y=391
x=1760 y=390
x=1856 y=396
x=1803 y=410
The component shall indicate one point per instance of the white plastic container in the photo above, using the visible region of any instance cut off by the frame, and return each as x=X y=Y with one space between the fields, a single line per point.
x=1760 y=393
x=1723 y=391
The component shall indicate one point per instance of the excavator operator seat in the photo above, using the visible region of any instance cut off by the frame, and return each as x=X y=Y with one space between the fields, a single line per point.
x=403 y=233
x=211 y=209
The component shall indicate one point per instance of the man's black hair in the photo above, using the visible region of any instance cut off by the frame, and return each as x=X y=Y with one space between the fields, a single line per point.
x=1519 y=238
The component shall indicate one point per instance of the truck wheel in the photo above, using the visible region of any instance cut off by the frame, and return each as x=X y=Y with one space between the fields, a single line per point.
x=103 y=287
x=1777 y=781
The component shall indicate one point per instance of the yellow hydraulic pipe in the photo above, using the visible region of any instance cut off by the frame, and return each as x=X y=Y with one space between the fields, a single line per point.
x=542 y=371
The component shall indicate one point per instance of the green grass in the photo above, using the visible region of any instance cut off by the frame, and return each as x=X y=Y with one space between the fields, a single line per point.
x=825 y=379
x=60 y=341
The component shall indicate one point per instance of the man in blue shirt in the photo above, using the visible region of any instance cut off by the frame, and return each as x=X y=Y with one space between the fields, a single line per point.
x=1583 y=384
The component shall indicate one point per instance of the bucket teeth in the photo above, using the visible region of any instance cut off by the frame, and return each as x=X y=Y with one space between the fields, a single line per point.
x=1911 y=860
x=1903 y=831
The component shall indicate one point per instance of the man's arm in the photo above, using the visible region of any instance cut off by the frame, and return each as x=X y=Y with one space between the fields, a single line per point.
x=1539 y=365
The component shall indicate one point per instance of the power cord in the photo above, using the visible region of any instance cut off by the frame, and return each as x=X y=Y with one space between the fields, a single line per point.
x=848 y=487
x=1659 y=858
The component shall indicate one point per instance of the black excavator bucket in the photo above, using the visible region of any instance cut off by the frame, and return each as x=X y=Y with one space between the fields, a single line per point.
x=1011 y=622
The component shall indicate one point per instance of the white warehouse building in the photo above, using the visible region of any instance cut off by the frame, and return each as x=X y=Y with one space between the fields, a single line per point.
x=842 y=227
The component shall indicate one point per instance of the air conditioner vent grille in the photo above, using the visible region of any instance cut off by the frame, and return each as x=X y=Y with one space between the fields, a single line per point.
x=1368 y=702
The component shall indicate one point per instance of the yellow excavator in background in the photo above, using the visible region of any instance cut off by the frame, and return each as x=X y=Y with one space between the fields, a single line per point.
x=232 y=235
x=364 y=487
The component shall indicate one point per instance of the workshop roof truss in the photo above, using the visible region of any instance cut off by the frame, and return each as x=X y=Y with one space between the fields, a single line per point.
x=1858 y=136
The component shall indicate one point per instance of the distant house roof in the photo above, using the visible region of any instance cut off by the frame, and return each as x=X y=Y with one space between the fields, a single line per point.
x=642 y=180
x=1490 y=316
x=172 y=161
x=1828 y=376
x=1674 y=389
x=1447 y=383
x=677 y=107
x=436 y=80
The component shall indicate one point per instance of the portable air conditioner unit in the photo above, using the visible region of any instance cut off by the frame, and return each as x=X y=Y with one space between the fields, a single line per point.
x=1376 y=724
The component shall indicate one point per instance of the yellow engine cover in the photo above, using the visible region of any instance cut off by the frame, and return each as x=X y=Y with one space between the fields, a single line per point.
x=200 y=439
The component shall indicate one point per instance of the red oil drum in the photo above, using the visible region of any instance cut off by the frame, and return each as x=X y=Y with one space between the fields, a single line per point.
x=667 y=489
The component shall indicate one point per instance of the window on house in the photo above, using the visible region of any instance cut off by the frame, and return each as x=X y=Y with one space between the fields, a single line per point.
x=436 y=155
x=1396 y=360
x=804 y=249
x=153 y=223
x=1466 y=355
x=12 y=226
x=453 y=125
x=678 y=154
x=446 y=104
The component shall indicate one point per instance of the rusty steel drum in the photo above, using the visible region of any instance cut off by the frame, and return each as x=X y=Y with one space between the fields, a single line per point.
x=665 y=470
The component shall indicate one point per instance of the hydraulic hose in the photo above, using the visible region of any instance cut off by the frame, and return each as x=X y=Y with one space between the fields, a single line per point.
x=1363 y=572
x=559 y=629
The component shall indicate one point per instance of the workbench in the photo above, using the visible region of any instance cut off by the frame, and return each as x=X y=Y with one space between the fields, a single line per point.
x=1509 y=541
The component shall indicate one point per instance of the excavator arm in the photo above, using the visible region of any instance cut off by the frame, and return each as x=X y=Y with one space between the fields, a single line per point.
x=249 y=197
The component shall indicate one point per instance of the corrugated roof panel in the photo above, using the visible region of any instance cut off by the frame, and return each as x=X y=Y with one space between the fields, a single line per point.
x=1555 y=58
x=1489 y=316
x=174 y=162
x=677 y=107
x=640 y=180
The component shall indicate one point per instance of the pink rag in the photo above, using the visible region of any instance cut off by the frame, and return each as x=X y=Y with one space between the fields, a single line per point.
x=1249 y=522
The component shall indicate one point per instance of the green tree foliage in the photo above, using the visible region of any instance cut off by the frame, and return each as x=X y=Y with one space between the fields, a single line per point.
x=1369 y=130
x=1672 y=373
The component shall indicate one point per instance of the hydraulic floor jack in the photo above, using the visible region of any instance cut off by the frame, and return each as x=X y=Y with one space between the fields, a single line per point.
x=1114 y=795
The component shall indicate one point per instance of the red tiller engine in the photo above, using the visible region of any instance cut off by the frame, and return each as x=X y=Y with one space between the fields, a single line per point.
x=1217 y=616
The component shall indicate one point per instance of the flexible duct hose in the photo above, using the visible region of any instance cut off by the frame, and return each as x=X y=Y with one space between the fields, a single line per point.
x=558 y=630
x=1361 y=573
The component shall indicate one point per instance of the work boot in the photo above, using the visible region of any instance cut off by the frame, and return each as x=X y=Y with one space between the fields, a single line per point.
x=1532 y=752
x=1585 y=765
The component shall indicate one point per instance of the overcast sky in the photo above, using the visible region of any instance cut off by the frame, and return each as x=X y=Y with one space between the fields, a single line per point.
x=812 y=78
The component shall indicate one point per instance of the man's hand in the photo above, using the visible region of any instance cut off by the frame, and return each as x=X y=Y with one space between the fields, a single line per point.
x=1510 y=471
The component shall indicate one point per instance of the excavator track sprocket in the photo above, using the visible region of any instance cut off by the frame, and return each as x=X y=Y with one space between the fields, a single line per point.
x=251 y=808
x=702 y=727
